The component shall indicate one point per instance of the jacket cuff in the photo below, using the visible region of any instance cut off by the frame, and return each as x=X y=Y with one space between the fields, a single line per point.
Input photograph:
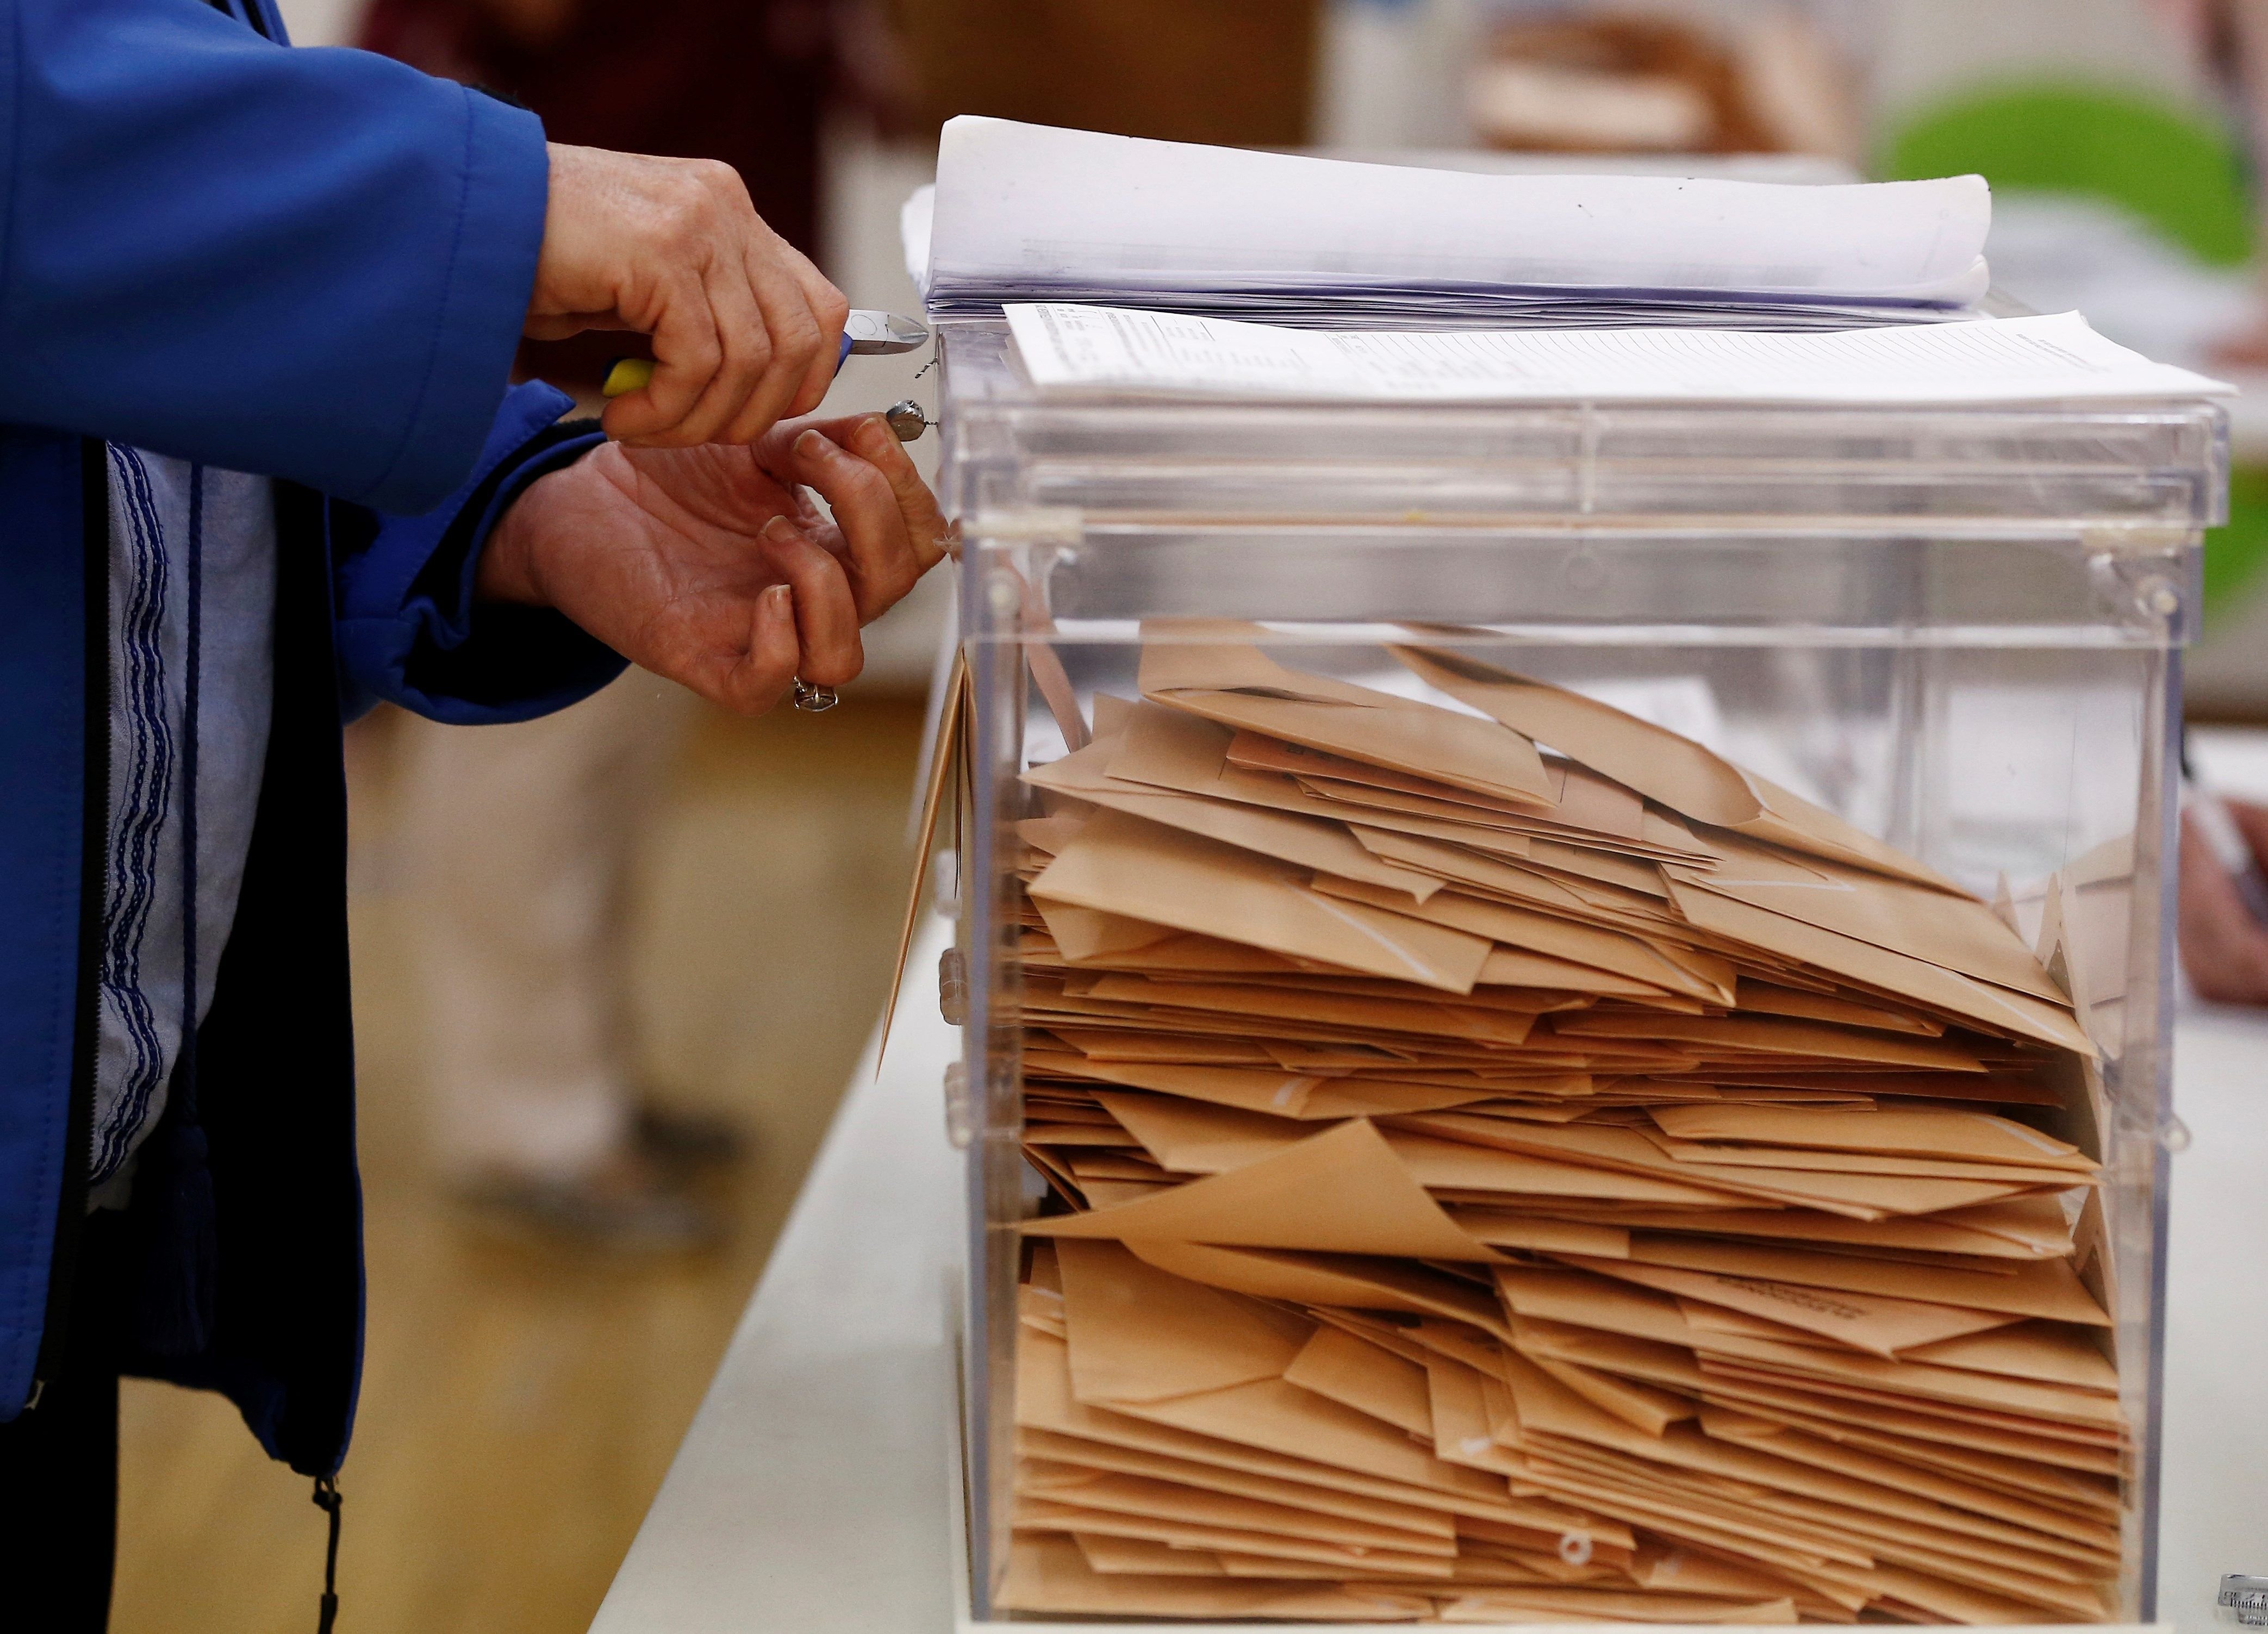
x=410 y=628
x=492 y=259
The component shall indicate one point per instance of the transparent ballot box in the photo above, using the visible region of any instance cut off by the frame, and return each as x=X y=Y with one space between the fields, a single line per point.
x=1566 y=1007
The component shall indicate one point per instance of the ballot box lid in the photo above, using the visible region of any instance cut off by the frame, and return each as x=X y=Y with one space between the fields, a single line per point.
x=1010 y=446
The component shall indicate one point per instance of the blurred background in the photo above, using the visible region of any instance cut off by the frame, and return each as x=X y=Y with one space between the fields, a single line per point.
x=613 y=972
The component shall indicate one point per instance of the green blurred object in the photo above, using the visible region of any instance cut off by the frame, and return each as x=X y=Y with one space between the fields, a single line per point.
x=2176 y=169
x=2235 y=556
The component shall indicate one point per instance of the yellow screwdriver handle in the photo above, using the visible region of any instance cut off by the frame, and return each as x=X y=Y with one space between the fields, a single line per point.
x=628 y=375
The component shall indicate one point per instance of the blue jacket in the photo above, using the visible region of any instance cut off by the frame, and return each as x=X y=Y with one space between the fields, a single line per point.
x=312 y=265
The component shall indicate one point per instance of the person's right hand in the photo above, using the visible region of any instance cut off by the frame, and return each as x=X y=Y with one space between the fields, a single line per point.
x=745 y=330
x=2224 y=948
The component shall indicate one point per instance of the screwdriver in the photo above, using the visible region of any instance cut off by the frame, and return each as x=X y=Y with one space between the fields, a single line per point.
x=865 y=332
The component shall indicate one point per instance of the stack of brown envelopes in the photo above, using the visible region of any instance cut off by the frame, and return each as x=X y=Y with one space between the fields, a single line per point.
x=1518 y=1166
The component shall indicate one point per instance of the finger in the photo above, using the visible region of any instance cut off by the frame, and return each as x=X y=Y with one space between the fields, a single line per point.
x=826 y=617
x=880 y=558
x=830 y=310
x=760 y=677
x=687 y=352
x=926 y=525
x=793 y=330
x=746 y=355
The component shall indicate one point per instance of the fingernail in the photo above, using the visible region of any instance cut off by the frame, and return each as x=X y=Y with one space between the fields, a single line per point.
x=779 y=529
x=779 y=602
x=810 y=443
x=874 y=433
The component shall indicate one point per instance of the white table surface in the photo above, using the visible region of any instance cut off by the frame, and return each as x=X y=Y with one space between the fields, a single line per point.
x=811 y=1491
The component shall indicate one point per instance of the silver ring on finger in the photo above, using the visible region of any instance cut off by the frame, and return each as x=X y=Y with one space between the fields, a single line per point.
x=814 y=700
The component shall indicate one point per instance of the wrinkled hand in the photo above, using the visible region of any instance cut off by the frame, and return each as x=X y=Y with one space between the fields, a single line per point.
x=713 y=565
x=745 y=329
x=2224 y=949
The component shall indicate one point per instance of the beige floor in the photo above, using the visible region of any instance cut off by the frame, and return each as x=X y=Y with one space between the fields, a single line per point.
x=522 y=1399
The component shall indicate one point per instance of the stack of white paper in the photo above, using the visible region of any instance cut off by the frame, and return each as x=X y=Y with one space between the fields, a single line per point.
x=1987 y=360
x=1029 y=213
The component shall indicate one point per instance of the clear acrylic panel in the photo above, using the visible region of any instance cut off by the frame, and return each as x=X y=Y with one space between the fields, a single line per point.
x=1958 y=631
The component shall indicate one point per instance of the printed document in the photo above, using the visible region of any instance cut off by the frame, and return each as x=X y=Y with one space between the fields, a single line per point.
x=1027 y=212
x=1987 y=360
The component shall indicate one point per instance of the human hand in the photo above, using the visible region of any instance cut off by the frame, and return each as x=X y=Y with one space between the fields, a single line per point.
x=2224 y=948
x=713 y=565
x=745 y=330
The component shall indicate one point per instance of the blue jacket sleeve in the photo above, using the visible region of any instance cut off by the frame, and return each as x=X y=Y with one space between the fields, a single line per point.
x=408 y=630
x=312 y=264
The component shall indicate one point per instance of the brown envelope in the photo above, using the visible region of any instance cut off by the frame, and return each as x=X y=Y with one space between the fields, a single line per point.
x=1998 y=1009
x=1858 y=1196
x=1824 y=1504
x=1137 y=1335
x=1642 y=1407
x=1771 y=999
x=1973 y=1136
x=1289 y=1094
x=1658 y=763
x=1241 y=687
x=1337 y=1364
x=1397 y=1520
x=1326 y=1280
x=1804 y=1448
x=1044 y=1401
x=1866 y=1321
x=1464 y=1432
x=1053 y=1515
x=1255 y=752
x=2090 y=1497
x=2047 y=1288
x=1127 y=865
x=1047 y=1573
x=1776 y=1036
x=1528 y=931
x=1191 y=1137
x=1502 y=1228
x=1119 y=1492
x=1489 y=1024
x=2010 y=1229
x=1462 y=1167
x=1140 y=1556
x=1312 y=843
x=1817 y=1161
x=1903 y=1429
x=1165 y=749
x=1957 y=933
x=2035 y=1350
x=1342 y=1191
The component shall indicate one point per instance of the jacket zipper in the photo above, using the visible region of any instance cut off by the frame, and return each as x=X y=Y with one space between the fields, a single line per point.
x=94 y=836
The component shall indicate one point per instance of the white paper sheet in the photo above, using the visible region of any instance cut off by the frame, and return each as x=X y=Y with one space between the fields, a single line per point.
x=1027 y=213
x=1989 y=360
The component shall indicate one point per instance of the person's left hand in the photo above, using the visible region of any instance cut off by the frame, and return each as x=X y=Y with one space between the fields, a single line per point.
x=713 y=567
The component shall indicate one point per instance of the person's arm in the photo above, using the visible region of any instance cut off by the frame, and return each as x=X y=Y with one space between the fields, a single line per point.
x=316 y=264
x=312 y=264
x=564 y=555
x=411 y=629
